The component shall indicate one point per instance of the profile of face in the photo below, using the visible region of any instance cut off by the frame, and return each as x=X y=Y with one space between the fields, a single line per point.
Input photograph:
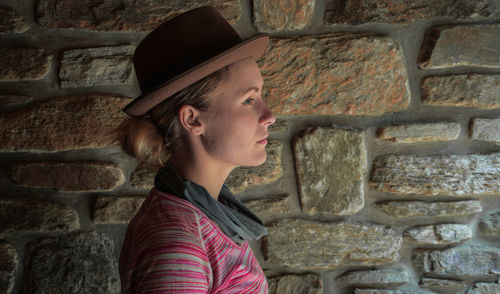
x=236 y=125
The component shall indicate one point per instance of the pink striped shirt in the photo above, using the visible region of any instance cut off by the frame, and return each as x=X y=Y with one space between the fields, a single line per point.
x=173 y=247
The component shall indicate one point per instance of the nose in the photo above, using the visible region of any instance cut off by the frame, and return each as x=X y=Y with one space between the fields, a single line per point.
x=267 y=118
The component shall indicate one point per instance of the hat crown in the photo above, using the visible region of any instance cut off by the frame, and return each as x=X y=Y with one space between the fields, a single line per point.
x=181 y=43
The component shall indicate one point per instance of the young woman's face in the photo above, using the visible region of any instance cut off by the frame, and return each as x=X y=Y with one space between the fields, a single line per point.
x=237 y=120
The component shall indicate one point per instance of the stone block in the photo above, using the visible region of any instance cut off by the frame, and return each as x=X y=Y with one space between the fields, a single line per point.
x=351 y=74
x=403 y=209
x=272 y=16
x=291 y=284
x=243 y=178
x=143 y=177
x=405 y=11
x=127 y=15
x=462 y=45
x=11 y=21
x=453 y=175
x=376 y=278
x=490 y=224
x=304 y=245
x=484 y=288
x=116 y=209
x=441 y=285
x=64 y=123
x=8 y=267
x=270 y=206
x=472 y=90
x=331 y=164
x=417 y=133
x=69 y=177
x=485 y=129
x=79 y=263
x=20 y=63
x=36 y=216
x=439 y=234
x=96 y=66
x=472 y=261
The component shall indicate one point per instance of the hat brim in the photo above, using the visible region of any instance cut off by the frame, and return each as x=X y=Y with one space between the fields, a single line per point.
x=252 y=47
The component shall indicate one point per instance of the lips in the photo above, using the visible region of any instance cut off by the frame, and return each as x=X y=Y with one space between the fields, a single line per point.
x=263 y=141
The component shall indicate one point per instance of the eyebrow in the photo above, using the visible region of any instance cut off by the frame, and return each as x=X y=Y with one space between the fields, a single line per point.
x=251 y=89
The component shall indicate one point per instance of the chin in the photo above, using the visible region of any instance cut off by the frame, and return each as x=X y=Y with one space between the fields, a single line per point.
x=256 y=161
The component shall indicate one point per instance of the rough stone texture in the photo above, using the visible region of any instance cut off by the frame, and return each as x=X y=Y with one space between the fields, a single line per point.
x=330 y=166
x=11 y=99
x=468 y=45
x=64 y=123
x=81 y=263
x=304 y=245
x=143 y=177
x=20 y=63
x=282 y=15
x=415 y=133
x=490 y=224
x=11 y=21
x=485 y=129
x=272 y=205
x=405 y=11
x=354 y=74
x=473 y=90
x=30 y=215
x=73 y=177
x=8 y=266
x=96 y=66
x=116 y=210
x=460 y=261
x=402 y=209
x=439 y=234
x=442 y=285
x=484 y=288
x=376 y=278
x=127 y=15
x=454 y=175
x=243 y=178
x=403 y=290
x=294 y=284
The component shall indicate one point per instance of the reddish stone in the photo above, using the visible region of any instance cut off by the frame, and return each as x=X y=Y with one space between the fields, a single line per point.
x=20 y=63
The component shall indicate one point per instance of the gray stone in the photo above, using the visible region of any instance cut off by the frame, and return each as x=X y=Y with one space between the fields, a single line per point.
x=454 y=175
x=11 y=21
x=30 y=215
x=467 y=45
x=405 y=11
x=376 y=278
x=415 y=133
x=282 y=15
x=66 y=176
x=20 y=63
x=280 y=126
x=304 y=245
x=271 y=205
x=8 y=266
x=331 y=164
x=439 y=234
x=486 y=130
x=62 y=123
x=459 y=261
x=96 y=66
x=296 y=284
x=243 y=178
x=116 y=209
x=143 y=177
x=351 y=74
x=440 y=285
x=490 y=224
x=402 y=209
x=79 y=263
x=403 y=290
x=484 y=288
x=472 y=90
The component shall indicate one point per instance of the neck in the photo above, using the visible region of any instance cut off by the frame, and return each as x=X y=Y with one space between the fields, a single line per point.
x=201 y=169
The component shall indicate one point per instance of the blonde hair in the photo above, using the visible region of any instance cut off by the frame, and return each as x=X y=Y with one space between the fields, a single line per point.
x=151 y=139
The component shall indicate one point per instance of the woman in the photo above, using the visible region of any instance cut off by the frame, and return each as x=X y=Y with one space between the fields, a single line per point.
x=201 y=115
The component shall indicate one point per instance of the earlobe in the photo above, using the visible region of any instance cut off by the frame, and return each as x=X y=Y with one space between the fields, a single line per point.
x=189 y=119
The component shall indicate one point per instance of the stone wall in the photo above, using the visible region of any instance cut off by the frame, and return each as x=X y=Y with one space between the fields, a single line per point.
x=384 y=164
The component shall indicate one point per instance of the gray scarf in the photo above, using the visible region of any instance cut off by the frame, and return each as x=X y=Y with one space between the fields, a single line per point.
x=232 y=216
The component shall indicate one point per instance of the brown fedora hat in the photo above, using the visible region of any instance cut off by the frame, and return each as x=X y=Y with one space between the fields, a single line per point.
x=184 y=50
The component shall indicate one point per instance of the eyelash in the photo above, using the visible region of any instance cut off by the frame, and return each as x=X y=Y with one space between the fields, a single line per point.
x=248 y=101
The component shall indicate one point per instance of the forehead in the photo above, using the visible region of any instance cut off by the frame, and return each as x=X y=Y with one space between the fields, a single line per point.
x=243 y=75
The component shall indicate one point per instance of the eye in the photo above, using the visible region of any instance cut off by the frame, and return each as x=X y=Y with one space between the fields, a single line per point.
x=248 y=101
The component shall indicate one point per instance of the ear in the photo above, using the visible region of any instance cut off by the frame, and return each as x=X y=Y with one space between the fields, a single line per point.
x=189 y=117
